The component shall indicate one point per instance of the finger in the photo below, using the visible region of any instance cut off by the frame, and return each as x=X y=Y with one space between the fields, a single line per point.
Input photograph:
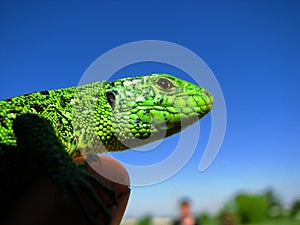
x=113 y=174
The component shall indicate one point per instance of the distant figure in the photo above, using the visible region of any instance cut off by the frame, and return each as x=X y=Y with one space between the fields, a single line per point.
x=186 y=217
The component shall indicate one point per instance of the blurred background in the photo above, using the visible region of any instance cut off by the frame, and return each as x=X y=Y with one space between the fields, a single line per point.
x=253 y=49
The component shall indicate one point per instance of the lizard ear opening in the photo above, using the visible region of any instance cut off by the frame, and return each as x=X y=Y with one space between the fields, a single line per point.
x=111 y=99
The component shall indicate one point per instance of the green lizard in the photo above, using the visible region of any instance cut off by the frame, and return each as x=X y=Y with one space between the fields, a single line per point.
x=96 y=117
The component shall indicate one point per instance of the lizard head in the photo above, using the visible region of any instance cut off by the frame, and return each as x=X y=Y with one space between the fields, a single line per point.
x=148 y=108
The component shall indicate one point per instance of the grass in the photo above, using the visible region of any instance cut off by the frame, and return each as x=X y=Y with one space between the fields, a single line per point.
x=281 y=221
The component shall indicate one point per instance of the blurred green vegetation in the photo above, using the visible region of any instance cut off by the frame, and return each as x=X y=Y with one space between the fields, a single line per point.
x=295 y=209
x=254 y=209
x=278 y=221
x=248 y=209
x=146 y=220
x=251 y=208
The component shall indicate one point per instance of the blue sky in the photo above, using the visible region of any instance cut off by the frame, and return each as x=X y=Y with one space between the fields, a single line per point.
x=252 y=47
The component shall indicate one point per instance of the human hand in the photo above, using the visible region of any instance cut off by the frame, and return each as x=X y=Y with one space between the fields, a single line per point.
x=41 y=203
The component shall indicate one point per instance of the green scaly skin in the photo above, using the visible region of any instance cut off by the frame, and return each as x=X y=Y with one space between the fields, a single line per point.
x=93 y=118
x=111 y=116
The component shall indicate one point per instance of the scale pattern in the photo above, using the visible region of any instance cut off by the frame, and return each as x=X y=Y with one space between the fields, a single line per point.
x=111 y=116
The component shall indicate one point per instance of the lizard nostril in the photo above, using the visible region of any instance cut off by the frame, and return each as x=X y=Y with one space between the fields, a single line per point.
x=207 y=93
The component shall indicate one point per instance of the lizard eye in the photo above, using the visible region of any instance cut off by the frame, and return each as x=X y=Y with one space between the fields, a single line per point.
x=165 y=84
x=111 y=99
